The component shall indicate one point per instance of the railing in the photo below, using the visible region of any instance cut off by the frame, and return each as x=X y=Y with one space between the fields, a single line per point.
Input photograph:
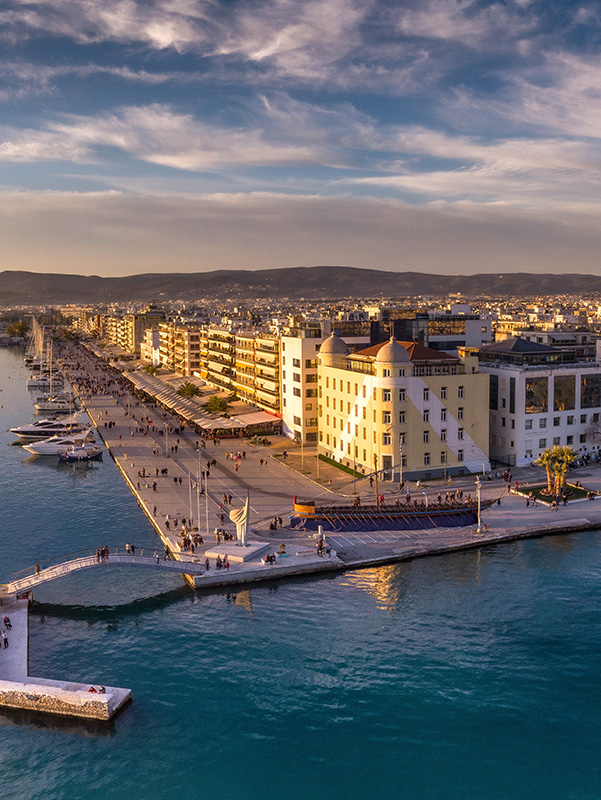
x=82 y=559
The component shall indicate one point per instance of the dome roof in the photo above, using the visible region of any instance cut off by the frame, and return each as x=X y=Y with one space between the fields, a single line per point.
x=333 y=345
x=392 y=352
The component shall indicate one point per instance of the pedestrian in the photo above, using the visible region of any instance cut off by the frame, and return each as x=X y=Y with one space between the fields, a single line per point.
x=7 y=622
x=4 y=638
x=229 y=499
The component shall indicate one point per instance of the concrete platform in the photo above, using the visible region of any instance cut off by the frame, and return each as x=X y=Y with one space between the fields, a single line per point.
x=238 y=554
x=21 y=691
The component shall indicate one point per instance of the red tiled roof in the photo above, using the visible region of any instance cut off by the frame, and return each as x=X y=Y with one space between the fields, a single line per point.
x=417 y=352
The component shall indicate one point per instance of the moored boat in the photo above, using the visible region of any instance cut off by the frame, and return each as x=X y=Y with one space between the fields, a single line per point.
x=411 y=515
x=84 y=452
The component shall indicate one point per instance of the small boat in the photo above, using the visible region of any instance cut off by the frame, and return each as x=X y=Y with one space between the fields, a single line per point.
x=44 y=382
x=406 y=516
x=84 y=452
x=51 y=446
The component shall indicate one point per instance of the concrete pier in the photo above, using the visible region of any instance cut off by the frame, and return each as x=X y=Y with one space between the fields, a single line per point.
x=20 y=690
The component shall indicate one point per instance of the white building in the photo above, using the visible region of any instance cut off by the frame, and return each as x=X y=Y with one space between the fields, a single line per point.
x=540 y=397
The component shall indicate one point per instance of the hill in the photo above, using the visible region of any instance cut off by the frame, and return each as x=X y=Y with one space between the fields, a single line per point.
x=35 y=288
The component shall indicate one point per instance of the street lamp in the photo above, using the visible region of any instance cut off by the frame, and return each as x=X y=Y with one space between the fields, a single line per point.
x=401 y=462
x=478 y=492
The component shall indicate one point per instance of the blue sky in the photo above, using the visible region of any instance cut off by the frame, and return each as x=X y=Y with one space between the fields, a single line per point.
x=182 y=135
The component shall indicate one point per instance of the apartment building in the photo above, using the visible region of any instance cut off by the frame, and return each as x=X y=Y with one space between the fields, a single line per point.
x=257 y=370
x=400 y=403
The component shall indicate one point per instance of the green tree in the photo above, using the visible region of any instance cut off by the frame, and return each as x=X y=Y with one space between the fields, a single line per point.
x=217 y=405
x=564 y=459
x=150 y=369
x=20 y=328
x=547 y=460
x=188 y=389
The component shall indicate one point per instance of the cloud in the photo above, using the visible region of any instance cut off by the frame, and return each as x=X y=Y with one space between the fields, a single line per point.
x=156 y=134
x=466 y=22
x=117 y=233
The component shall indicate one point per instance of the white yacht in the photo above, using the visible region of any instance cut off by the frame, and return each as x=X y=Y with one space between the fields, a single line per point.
x=58 y=404
x=52 y=446
x=85 y=452
x=44 y=428
x=45 y=382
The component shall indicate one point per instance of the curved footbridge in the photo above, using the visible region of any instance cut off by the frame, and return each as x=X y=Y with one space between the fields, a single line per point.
x=19 y=690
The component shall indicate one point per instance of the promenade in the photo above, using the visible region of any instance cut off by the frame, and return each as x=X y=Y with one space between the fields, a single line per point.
x=145 y=439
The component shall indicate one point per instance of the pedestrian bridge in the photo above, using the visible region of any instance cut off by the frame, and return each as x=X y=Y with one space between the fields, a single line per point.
x=40 y=573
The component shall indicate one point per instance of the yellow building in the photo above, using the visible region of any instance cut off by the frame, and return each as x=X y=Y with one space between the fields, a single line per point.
x=402 y=403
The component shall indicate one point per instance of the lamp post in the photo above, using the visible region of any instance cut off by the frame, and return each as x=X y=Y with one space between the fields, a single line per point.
x=426 y=496
x=478 y=493
x=401 y=463
x=166 y=441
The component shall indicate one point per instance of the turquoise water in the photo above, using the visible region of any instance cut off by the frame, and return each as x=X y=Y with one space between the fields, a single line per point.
x=474 y=675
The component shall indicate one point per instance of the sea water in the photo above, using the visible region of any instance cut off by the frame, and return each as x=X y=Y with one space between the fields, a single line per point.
x=471 y=675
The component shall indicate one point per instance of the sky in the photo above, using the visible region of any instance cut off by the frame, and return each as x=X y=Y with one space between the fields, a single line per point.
x=446 y=136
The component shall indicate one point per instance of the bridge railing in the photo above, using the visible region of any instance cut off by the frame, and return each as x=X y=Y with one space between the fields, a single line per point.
x=114 y=550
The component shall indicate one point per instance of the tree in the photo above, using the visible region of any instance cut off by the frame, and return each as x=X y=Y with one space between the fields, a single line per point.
x=188 y=389
x=547 y=460
x=18 y=328
x=564 y=459
x=217 y=405
x=150 y=369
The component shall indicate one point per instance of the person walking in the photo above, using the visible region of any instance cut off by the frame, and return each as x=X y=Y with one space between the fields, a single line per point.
x=4 y=638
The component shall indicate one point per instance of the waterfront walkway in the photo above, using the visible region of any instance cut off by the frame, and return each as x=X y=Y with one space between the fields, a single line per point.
x=145 y=439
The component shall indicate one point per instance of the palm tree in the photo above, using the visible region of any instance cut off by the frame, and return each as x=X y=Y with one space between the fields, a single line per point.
x=188 y=389
x=547 y=460
x=217 y=405
x=564 y=459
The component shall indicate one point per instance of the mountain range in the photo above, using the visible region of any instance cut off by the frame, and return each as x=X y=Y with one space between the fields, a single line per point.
x=294 y=283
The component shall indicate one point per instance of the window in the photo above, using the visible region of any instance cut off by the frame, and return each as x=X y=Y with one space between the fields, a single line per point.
x=443 y=393
x=296 y=362
x=443 y=435
x=556 y=441
x=583 y=418
x=386 y=417
x=460 y=434
x=426 y=394
x=297 y=392
x=595 y=417
x=402 y=417
x=364 y=391
x=426 y=416
x=528 y=453
x=460 y=392
x=308 y=406
x=443 y=415
x=312 y=422
x=542 y=423
x=570 y=419
x=426 y=437
x=310 y=363
x=402 y=438
x=402 y=395
x=542 y=443
x=426 y=459
x=311 y=378
x=386 y=373
x=443 y=456
x=570 y=440
x=556 y=421
x=386 y=439
x=503 y=403
x=459 y=413
x=582 y=438
x=310 y=392
x=528 y=424
x=386 y=395
x=297 y=420
x=296 y=377
x=502 y=422
x=513 y=424
x=460 y=455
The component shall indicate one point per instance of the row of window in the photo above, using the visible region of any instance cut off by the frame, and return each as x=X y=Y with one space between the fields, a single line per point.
x=570 y=420
x=427 y=456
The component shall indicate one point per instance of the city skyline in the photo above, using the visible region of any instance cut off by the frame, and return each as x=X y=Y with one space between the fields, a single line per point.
x=187 y=136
